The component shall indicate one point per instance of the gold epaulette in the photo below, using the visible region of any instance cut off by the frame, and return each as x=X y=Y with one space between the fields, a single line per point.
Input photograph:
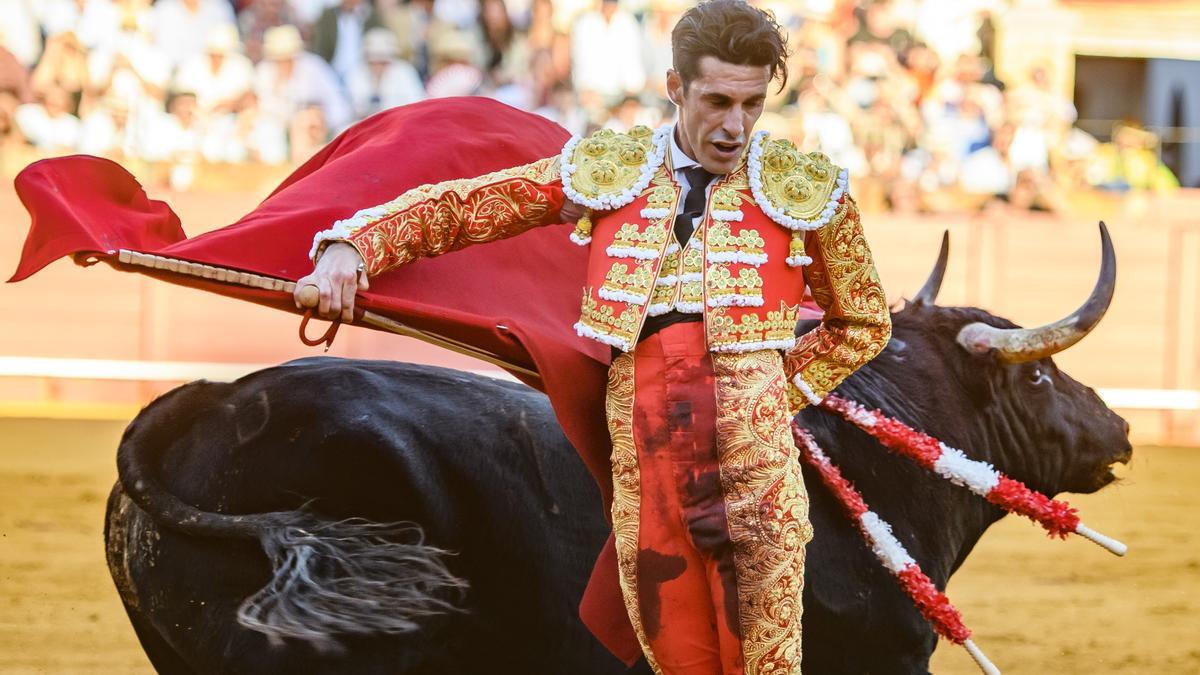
x=797 y=190
x=608 y=170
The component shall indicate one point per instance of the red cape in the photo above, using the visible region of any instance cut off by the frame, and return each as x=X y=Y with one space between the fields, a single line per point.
x=516 y=298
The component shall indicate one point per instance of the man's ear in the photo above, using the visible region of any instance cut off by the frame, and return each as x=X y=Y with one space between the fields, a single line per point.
x=674 y=87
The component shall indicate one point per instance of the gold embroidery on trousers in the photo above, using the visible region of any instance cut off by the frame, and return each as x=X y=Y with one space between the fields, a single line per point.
x=766 y=506
x=626 y=490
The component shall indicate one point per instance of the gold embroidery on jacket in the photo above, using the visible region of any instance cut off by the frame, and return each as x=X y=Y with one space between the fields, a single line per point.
x=778 y=327
x=857 y=322
x=605 y=320
x=747 y=241
x=744 y=290
x=725 y=198
x=666 y=285
x=632 y=240
x=661 y=197
x=626 y=285
x=435 y=219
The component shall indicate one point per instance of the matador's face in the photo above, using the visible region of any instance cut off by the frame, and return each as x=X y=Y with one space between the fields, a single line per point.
x=718 y=110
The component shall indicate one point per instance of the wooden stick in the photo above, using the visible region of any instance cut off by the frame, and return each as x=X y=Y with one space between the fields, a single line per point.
x=310 y=298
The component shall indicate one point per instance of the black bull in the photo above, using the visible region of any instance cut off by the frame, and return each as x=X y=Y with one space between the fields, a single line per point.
x=483 y=468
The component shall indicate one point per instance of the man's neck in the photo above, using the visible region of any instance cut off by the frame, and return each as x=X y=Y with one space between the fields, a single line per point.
x=680 y=158
x=683 y=148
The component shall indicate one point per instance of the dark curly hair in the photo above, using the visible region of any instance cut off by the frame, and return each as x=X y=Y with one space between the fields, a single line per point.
x=732 y=31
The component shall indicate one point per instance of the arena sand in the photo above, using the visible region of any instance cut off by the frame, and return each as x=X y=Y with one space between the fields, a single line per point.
x=1036 y=605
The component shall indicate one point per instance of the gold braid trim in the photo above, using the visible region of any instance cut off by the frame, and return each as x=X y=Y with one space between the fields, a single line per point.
x=627 y=490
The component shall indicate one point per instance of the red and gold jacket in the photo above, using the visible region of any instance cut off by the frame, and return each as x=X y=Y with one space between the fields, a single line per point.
x=781 y=221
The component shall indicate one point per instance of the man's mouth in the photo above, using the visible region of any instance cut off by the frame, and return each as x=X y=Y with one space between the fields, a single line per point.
x=727 y=149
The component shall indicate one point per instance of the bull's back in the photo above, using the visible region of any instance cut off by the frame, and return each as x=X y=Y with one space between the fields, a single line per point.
x=387 y=442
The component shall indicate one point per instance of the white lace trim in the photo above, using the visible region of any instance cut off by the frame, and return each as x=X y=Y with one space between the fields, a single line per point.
x=799 y=260
x=727 y=216
x=608 y=202
x=754 y=164
x=582 y=241
x=342 y=229
x=755 y=259
x=668 y=280
x=658 y=309
x=735 y=300
x=588 y=332
x=655 y=213
x=737 y=347
x=631 y=252
x=690 y=307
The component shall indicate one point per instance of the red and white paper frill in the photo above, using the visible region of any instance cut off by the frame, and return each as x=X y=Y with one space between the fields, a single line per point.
x=932 y=603
x=1057 y=517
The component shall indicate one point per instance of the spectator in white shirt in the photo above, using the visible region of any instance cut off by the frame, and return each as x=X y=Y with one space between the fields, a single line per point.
x=133 y=70
x=107 y=131
x=180 y=27
x=290 y=79
x=246 y=136
x=20 y=32
x=384 y=81
x=221 y=76
x=307 y=11
x=177 y=135
x=49 y=125
x=606 y=53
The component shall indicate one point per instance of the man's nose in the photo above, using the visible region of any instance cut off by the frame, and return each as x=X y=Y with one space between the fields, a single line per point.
x=734 y=122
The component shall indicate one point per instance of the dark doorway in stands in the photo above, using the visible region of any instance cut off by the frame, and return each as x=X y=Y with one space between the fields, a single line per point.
x=1162 y=95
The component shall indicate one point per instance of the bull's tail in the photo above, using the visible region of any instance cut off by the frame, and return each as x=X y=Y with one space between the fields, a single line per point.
x=329 y=578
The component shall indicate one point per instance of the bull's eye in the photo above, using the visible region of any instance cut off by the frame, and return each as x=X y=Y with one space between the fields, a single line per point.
x=1037 y=376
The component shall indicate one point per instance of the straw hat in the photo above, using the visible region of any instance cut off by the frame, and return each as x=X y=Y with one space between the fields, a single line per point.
x=282 y=42
x=380 y=44
x=223 y=39
x=452 y=45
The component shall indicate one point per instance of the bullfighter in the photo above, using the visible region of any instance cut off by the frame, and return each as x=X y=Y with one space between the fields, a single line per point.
x=702 y=237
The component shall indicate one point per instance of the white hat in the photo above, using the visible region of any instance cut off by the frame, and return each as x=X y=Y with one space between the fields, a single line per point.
x=223 y=39
x=452 y=45
x=281 y=42
x=380 y=44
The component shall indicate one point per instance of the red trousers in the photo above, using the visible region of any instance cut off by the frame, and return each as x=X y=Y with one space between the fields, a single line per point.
x=710 y=514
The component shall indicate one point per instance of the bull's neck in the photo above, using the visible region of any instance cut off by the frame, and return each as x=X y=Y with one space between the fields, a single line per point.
x=945 y=534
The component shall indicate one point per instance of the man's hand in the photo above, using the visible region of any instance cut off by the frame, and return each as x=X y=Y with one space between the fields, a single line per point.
x=571 y=212
x=338 y=277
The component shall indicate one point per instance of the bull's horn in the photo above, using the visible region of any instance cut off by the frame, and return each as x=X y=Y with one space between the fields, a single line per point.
x=929 y=292
x=1020 y=345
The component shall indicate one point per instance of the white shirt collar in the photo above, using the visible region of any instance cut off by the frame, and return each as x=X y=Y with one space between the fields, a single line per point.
x=679 y=158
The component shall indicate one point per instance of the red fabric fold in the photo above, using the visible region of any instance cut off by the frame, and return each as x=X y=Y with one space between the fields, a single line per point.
x=85 y=204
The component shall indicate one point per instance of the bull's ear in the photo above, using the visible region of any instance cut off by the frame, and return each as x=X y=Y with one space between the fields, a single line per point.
x=983 y=376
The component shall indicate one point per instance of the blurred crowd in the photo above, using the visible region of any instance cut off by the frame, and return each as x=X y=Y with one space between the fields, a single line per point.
x=902 y=92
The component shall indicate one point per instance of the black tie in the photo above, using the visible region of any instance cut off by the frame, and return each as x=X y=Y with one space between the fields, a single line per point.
x=698 y=180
